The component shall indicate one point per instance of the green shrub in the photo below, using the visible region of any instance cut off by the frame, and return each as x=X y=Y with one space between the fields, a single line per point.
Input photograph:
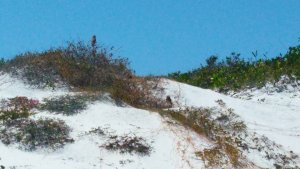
x=8 y=115
x=67 y=105
x=32 y=134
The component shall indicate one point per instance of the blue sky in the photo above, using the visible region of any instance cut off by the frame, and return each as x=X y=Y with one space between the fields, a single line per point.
x=158 y=37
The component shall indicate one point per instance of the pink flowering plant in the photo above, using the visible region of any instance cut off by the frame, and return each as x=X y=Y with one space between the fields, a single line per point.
x=17 y=107
x=23 y=103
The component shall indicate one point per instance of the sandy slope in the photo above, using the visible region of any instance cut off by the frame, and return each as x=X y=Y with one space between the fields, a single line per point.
x=173 y=145
x=279 y=122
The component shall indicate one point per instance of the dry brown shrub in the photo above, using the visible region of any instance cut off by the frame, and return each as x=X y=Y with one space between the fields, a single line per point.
x=139 y=92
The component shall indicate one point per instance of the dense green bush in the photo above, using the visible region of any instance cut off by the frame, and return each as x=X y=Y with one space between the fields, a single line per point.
x=235 y=73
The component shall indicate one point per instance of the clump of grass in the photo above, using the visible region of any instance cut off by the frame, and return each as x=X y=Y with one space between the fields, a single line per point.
x=128 y=144
x=232 y=151
x=96 y=131
x=33 y=134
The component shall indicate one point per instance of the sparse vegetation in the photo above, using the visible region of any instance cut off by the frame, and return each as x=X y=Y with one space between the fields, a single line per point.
x=213 y=157
x=221 y=127
x=235 y=73
x=230 y=138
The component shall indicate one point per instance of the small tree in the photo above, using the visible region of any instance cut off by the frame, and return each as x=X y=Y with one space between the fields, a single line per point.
x=93 y=41
x=94 y=45
x=212 y=61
